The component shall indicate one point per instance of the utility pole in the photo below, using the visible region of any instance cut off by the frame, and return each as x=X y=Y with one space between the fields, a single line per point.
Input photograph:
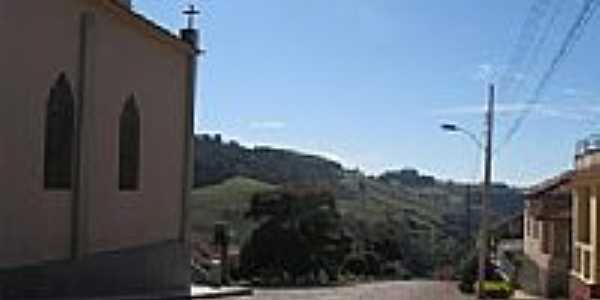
x=485 y=195
x=362 y=188
x=468 y=213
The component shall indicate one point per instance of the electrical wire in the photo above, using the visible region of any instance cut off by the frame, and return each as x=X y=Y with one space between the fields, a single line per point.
x=574 y=34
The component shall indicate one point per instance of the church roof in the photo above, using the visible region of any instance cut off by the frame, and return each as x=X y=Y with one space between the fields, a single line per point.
x=146 y=23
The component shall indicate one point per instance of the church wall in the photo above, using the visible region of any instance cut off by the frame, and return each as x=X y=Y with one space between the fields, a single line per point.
x=35 y=224
x=129 y=63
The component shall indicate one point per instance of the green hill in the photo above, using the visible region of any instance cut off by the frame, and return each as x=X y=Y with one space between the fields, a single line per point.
x=227 y=201
x=227 y=174
x=230 y=200
x=216 y=161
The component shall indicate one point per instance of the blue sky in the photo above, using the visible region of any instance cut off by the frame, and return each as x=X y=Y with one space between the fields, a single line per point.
x=368 y=82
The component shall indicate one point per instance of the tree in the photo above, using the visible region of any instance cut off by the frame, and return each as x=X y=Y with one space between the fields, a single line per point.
x=300 y=235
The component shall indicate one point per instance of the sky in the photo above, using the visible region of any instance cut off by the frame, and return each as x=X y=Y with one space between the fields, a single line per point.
x=367 y=83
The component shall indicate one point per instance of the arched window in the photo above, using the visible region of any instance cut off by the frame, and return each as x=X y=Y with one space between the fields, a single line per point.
x=129 y=146
x=60 y=124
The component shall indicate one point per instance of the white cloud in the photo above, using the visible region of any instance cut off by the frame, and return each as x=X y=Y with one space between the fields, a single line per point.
x=485 y=72
x=574 y=113
x=480 y=110
x=271 y=125
x=488 y=72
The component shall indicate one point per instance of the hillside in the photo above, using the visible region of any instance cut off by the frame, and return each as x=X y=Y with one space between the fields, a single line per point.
x=216 y=161
x=230 y=200
x=228 y=174
x=227 y=201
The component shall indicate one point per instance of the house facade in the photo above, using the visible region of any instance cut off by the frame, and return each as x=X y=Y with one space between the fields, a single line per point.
x=585 y=273
x=96 y=107
x=546 y=237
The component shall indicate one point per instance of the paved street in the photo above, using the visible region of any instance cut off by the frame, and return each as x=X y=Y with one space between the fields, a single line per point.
x=421 y=290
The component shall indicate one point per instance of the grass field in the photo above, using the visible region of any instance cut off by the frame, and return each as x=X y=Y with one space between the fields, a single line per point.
x=228 y=202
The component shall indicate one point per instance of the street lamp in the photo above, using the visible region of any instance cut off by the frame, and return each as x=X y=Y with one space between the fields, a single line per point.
x=451 y=128
x=455 y=128
x=487 y=182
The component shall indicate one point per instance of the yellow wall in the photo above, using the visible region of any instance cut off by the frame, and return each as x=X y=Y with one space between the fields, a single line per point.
x=586 y=192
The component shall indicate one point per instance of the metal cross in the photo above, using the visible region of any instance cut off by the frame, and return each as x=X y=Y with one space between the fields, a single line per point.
x=191 y=13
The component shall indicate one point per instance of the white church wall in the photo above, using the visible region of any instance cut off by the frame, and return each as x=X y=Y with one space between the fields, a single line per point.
x=35 y=224
x=154 y=72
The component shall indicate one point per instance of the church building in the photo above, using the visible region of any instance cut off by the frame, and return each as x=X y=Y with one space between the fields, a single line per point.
x=96 y=127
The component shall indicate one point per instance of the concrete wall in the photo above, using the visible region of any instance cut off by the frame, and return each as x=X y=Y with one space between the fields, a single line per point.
x=130 y=63
x=579 y=290
x=34 y=223
x=127 y=59
x=532 y=245
x=156 y=270
x=588 y=160
x=545 y=273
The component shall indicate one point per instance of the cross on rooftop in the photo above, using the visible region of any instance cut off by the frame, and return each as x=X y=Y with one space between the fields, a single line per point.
x=191 y=13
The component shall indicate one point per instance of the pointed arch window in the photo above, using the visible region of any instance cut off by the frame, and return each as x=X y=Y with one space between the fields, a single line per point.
x=129 y=146
x=58 y=144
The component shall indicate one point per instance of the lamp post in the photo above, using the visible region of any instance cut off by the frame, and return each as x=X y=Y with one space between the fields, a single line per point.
x=487 y=181
x=455 y=128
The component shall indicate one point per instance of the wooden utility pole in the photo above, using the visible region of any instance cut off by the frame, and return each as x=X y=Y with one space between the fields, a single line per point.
x=468 y=214
x=485 y=194
x=362 y=188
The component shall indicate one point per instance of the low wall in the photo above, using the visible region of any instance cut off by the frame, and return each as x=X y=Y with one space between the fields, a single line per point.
x=578 y=290
x=155 y=269
x=529 y=276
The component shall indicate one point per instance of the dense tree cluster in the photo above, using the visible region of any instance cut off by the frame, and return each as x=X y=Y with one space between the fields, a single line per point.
x=300 y=236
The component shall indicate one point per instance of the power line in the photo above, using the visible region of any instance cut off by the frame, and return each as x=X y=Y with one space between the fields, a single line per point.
x=531 y=61
x=523 y=44
x=574 y=34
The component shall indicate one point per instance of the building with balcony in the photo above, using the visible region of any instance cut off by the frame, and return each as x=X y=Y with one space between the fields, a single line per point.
x=546 y=237
x=585 y=273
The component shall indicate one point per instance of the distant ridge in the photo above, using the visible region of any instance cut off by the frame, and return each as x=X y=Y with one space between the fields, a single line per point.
x=217 y=161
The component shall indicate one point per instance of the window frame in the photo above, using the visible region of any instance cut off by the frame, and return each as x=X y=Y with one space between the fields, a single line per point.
x=130 y=109
x=59 y=136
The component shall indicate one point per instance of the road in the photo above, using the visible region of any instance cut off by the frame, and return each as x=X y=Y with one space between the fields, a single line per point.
x=418 y=290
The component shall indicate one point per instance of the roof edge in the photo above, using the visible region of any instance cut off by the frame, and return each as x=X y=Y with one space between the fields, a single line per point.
x=145 y=24
x=550 y=184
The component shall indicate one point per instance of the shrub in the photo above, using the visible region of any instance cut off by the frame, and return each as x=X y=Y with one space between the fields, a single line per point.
x=497 y=289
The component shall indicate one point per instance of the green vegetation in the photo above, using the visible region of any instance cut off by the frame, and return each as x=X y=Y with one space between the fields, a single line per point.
x=216 y=161
x=299 y=238
x=497 y=289
x=227 y=201
x=401 y=224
